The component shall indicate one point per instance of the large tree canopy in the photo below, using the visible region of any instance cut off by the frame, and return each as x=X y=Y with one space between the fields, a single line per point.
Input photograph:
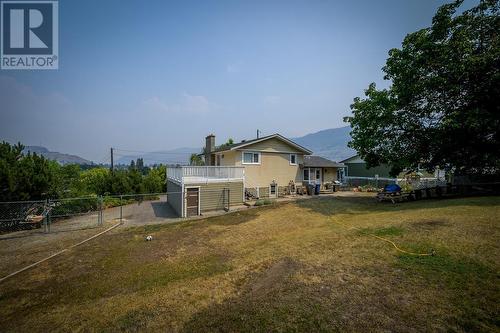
x=442 y=108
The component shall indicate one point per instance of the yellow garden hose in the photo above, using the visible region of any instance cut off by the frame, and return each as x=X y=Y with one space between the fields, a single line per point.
x=432 y=253
x=58 y=253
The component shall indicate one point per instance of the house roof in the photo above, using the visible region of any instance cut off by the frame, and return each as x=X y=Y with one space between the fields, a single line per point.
x=264 y=138
x=320 y=162
x=350 y=158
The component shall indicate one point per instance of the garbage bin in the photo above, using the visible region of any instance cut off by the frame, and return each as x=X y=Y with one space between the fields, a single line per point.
x=310 y=189
x=316 y=190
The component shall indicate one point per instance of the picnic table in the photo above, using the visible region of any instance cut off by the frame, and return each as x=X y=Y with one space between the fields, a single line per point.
x=393 y=196
x=393 y=193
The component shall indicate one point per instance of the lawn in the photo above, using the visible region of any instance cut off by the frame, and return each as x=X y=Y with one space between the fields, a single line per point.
x=306 y=266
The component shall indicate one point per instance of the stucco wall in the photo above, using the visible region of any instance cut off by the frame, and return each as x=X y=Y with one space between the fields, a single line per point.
x=174 y=196
x=274 y=164
x=273 y=167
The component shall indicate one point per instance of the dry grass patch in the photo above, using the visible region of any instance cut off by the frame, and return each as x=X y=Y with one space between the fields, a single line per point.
x=288 y=267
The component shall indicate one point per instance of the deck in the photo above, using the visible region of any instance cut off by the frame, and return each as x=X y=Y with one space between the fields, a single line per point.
x=205 y=174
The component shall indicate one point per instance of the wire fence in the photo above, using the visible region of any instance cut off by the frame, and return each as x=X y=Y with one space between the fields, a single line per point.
x=69 y=214
x=55 y=215
x=374 y=182
x=379 y=182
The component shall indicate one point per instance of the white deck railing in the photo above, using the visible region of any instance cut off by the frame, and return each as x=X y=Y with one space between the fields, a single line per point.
x=205 y=172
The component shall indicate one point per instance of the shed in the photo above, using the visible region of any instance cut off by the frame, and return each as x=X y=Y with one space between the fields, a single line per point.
x=193 y=190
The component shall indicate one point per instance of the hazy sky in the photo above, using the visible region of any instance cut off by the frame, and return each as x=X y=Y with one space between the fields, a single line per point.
x=155 y=75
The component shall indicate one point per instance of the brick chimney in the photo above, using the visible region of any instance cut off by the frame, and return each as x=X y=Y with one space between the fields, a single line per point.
x=209 y=148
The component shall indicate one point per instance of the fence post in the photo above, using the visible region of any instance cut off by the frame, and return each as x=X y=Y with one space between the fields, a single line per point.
x=46 y=219
x=121 y=209
x=48 y=215
x=100 y=222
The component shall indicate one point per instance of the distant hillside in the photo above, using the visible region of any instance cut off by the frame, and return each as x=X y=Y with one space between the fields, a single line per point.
x=330 y=143
x=56 y=156
x=174 y=156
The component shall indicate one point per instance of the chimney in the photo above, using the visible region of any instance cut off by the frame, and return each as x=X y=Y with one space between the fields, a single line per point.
x=209 y=148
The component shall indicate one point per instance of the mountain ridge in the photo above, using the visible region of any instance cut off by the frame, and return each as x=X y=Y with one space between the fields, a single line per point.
x=328 y=143
x=61 y=158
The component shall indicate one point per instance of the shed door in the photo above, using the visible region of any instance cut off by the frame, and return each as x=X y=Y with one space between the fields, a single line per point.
x=192 y=201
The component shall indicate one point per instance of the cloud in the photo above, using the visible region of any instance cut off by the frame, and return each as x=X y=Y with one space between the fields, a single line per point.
x=195 y=104
x=272 y=99
x=233 y=68
x=155 y=104
x=187 y=103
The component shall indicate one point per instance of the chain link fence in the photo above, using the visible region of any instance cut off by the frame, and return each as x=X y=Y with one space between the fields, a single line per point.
x=55 y=215
x=71 y=214
x=22 y=215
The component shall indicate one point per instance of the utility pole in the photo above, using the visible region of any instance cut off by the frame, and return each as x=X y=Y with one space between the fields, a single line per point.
x=112 y=164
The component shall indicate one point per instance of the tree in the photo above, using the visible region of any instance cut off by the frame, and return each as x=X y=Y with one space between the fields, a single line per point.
x=195 y=159
x=96 y=180
x=140 y=164
x=154 y=181
x=442 y=108
x=23 y=177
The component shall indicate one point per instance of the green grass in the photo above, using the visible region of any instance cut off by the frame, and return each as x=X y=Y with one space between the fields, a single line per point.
x=389 y=231
x=307 y=266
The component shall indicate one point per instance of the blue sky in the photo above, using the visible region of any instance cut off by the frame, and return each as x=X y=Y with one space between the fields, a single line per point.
x=156 y=75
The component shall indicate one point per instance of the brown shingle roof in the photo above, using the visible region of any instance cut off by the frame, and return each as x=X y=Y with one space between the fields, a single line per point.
x=321 y=162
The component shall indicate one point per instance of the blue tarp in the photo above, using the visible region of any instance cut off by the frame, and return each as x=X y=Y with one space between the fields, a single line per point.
x=392 y=188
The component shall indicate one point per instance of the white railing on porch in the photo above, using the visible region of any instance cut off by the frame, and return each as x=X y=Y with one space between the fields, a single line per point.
x=208 y=172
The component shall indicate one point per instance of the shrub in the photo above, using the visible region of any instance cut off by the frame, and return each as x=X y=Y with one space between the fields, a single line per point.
x=259 y=202
x=262 y=202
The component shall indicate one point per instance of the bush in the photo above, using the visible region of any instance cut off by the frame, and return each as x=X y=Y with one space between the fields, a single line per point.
x=262 y=202
x=77 y=206
x=259 y=202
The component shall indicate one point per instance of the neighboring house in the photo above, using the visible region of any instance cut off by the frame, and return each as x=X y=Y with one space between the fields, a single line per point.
x=356 y=167
x=264 y=167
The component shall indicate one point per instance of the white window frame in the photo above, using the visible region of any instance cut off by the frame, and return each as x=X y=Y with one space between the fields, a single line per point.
x=290 y=159
x=253 y=155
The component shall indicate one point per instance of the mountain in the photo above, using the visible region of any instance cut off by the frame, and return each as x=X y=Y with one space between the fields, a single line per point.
x=56 y=156
x=330 y=143
x=174 y=156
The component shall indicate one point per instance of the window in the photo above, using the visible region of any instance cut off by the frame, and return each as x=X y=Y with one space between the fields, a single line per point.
x=293 y=159
x=218 y=160
x=306 y=174
x=251 y=158
x=318 y=174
